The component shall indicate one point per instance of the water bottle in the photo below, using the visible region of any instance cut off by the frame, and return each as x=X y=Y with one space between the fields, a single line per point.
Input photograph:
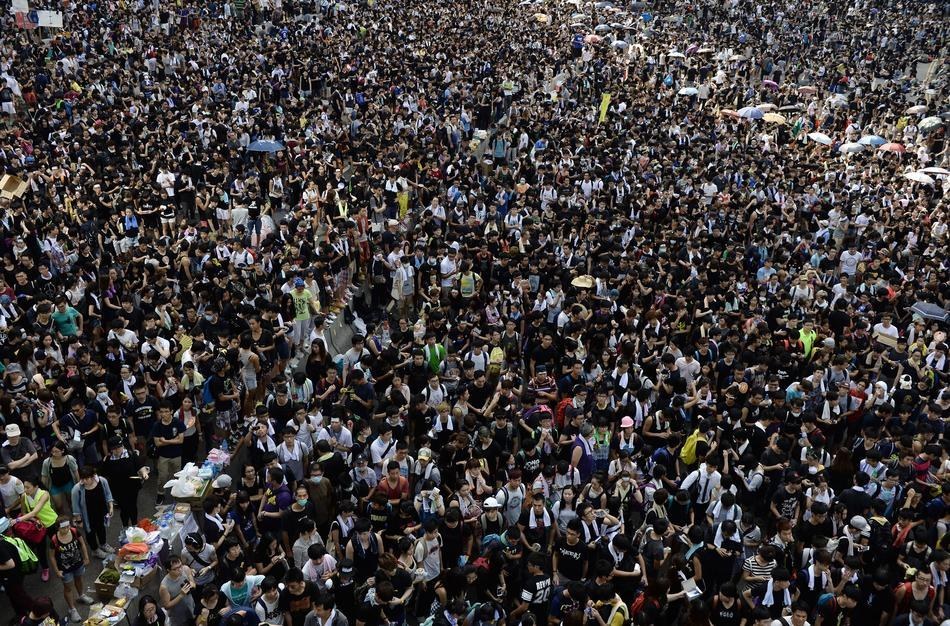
x=224 y=444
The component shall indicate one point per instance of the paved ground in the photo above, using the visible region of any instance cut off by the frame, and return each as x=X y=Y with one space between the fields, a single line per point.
x=339 y=338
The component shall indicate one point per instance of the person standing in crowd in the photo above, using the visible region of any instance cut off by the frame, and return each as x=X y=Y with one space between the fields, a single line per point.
x=92 y=505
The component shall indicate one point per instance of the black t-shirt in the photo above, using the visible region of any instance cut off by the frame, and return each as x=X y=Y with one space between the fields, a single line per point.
x=370 y=614
x=168 y=431
x=218 y=386
x=7 y=552
x=785 y=502
x=571 y=559
x=298 y=605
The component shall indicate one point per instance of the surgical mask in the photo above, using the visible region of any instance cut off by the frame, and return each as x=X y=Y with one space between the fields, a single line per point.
x=302 y=501
x=209 y=317
x=103 y=397
x=316 y=479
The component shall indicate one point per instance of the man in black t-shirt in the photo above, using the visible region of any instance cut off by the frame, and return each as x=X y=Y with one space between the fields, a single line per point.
x=569 y=557
x=168 y=434
x=535 y=592
x=297 y=597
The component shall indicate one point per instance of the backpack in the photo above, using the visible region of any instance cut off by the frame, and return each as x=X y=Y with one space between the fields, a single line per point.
x=561 y=410
x=207 y=398
x=25 y=556
x=639 y=605
x=688 y=453
x=495 y=360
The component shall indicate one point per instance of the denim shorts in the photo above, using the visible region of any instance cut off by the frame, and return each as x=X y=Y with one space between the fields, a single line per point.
x=69 y=576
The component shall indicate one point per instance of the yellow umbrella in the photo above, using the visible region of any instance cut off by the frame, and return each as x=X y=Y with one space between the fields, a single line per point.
x=774 y=118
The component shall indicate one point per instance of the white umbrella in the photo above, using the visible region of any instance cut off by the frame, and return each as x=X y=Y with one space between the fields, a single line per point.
x=766 y=107
x=821 y=138
x=737 y=57
x=688 y=91
x=579 y=16
x=929 y=123
x=850 y=147
x=938 y=171
x=919 y=177
x=917 y=110
x=705 y=50
x=838 y=101
x=621 y=44
x=675 y=55
x=751 y=113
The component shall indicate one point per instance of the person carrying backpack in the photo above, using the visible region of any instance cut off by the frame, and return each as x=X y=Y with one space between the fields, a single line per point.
x=69 y=556
x=11 y=569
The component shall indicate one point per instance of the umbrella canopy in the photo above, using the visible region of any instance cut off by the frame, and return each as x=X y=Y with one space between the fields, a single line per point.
x=593 y=39
x=917 y=110
x=838 y=101
x=930 y=123
x=584 y=282
x=821 y=138
x=919 y=177
x=602 y=28
x=930 y=311
x=872 y=140
x=765 y=107
x=774 y=118
x=705 y=51
x=892 y=147
x=620 y=43
x=938 y=171
x=688 y=91
x=807 y=89
x=728 y=113
x=737 y=57
x=751 y=113
x=693 y=48
x=675 y=55
x=265 y=145
x=850 y=147
x=790 y=107
x=771 y=84
x=577 y=17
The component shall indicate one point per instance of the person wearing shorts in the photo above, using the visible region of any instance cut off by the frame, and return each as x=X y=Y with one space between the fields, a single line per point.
x=305 y=306
x=69 y=556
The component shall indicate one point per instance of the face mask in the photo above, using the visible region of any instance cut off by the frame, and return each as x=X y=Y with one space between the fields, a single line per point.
x=316 y=479
x=209 y=317
x=302 y=501
x=102 y=397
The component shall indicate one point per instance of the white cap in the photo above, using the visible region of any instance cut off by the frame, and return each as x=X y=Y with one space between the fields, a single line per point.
x=492 y=503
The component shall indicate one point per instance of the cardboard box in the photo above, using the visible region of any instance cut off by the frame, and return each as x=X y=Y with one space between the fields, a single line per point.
x=141 y=582
x=105 y=591
x=12 y=187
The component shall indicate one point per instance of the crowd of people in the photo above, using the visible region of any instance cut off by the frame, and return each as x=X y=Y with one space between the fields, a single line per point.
x=526 y=313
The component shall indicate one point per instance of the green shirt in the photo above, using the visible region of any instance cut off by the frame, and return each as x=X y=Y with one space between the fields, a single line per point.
x=66 y=321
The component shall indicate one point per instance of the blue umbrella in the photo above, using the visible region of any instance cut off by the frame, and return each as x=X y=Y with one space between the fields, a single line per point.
x=753 y=113
x=872 y=140
x=265 y=145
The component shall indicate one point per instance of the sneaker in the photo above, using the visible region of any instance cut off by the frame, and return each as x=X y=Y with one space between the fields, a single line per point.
x=84 y=599
x=44 y=575
x=74 y=615
x=99 y=553
x=109 y=548
x=159 y=499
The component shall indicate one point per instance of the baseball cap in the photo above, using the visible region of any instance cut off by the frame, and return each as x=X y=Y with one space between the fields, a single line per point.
x=492 y=503
x=860 y=524
x=425 y=453
x=222 y=482
x=298 y=282
x=12 y=430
